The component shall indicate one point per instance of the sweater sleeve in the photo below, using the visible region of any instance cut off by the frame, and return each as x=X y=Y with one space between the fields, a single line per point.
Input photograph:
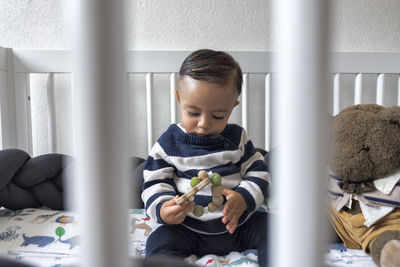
x=256 y=179
x=159 y=185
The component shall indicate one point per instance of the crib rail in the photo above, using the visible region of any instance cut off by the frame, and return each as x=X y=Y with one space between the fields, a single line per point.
x=17 y=65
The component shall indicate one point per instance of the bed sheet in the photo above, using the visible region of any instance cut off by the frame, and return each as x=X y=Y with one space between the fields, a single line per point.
x=44 y=237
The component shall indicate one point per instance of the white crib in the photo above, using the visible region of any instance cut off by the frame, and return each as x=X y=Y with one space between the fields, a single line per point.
x=355 y=78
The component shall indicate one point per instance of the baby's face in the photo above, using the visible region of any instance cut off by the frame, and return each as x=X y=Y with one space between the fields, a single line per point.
x=205 y=107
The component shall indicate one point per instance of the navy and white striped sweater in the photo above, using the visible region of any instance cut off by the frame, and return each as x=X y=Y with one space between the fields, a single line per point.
x=178 y=156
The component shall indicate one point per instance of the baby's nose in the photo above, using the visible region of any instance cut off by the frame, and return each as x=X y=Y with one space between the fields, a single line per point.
x=204 y=122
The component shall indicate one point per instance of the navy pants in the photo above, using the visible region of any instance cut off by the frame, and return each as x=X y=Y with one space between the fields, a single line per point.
x=179 y=241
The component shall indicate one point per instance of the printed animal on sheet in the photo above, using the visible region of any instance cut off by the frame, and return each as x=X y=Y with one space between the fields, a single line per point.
x=243 y=260
x=10 y=233
x=13 y=214
x=65 y=219
x=225 y=261
x=39 y=240
x=44 y=218
x=73 y=241
x=146 y=227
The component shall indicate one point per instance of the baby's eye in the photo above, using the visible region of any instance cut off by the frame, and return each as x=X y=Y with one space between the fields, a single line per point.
x=218 y=117
x=366 y=148
x=193 y=114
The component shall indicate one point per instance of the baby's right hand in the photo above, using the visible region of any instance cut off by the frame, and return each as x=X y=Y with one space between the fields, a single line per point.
x=173 y=213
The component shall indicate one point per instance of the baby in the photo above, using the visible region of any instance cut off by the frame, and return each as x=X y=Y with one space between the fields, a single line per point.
x=209 y=84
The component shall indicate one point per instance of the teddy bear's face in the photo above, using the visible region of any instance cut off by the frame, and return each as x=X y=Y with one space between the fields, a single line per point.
x=366 y=142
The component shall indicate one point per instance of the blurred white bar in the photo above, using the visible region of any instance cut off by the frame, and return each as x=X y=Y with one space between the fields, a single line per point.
x=100 y=117
x=267 y=125
x=336 y=93
x=380 y=89
x=299 y=137
x=244 y=101
x=358 y=88
x=51 y=114
x=173 y=98
x=73 y=130
x=149 y=110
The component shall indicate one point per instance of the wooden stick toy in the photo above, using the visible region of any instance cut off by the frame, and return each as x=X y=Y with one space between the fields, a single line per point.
x=192 y=191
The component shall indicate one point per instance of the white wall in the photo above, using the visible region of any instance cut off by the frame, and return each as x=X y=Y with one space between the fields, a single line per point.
x=357 y=25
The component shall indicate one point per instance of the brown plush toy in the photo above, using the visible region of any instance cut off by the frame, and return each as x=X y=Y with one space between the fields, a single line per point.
x=364 y=183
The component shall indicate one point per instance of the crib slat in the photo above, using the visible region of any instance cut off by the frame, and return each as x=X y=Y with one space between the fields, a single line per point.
x=358 y=88
x=51 y=113
x=380 y=89
x=4 y=118
x=23 y=111
x=336 y=93
x=149 y=108
x=299 y=136
x=267 y=126
x=244 y=101
x=8 y=127
x=398 y=90
x=100 y=116
x=173 y=99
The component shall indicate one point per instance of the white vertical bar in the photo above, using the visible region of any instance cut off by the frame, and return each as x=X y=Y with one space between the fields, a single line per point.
x=4 y=119
x=358 y=89
x=73 y=96
x=336 y=93
x=100 y=117
x=380 y=89
x=149 y=108
x=23 y=112
x=244 y=101
x=51 y=113
x=299 y=125
x=7 y=103
x=398 y=91
x=267 y=111
x=173 y=98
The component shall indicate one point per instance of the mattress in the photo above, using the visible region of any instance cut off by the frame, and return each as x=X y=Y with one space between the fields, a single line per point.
x=44 y=237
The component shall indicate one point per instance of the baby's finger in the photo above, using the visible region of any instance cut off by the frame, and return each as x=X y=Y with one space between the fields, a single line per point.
x=170 y=202
x=226 y=192
x=175 y=209
x=188 y=207
x=232 y=225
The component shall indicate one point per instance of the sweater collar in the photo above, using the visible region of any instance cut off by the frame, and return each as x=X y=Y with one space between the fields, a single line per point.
x=185 y=137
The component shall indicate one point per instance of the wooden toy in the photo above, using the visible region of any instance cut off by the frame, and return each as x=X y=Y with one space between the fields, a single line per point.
x=197 y=183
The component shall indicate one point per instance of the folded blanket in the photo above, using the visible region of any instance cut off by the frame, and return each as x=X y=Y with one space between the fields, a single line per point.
x=27 y=182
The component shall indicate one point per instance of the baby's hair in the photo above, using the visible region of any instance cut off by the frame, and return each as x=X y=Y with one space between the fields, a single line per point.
x=212 y=66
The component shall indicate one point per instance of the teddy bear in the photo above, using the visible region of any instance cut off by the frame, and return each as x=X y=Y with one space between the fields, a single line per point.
x=364 y=181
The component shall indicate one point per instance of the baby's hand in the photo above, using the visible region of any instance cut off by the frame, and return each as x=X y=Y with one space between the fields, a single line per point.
x=234 y=208
x=172 y=213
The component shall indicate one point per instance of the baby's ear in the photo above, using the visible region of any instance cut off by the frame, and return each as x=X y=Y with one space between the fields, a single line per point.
x=391 y=114
x=177 y=95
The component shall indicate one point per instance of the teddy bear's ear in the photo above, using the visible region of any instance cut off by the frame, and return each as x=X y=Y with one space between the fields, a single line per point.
x=391 y=114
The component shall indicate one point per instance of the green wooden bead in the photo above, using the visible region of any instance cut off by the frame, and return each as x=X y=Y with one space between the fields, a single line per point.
x=194 y=181
x=216 y=179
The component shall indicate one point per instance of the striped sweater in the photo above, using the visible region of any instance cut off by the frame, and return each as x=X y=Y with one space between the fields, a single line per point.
x=177 y=156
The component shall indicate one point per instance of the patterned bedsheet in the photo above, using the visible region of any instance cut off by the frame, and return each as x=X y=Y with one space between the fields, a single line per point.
x=45 y=237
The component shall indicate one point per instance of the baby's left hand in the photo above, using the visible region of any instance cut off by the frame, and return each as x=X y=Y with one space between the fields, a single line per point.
x=234 y=208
